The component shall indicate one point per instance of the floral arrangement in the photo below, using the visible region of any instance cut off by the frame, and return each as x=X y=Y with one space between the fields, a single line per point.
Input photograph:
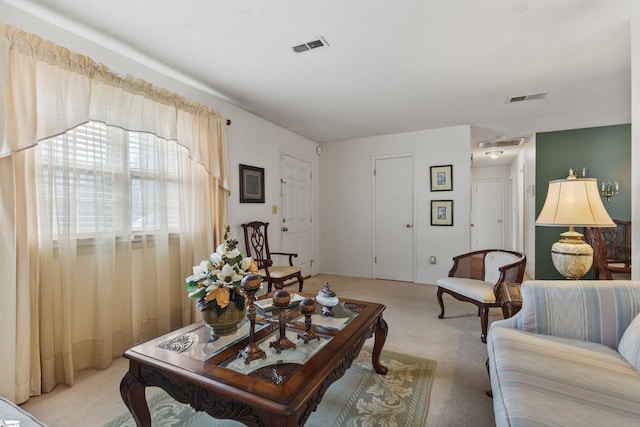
x=215 y=282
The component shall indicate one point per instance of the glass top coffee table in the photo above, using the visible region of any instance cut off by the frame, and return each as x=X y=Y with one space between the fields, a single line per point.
x=281 y=390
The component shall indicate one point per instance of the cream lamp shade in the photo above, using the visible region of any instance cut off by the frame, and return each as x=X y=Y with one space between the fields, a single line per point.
x=573 y=202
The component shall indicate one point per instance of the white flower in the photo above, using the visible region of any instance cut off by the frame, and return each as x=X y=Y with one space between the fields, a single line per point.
x=211 y=285
x=199 y=272
x=228 y=275
x=245 y=264
x=233 y=254
x=216 y=259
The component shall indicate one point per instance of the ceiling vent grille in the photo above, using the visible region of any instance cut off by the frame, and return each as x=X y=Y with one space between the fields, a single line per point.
x=501 y=143
x=310 y=45
x=530 y=97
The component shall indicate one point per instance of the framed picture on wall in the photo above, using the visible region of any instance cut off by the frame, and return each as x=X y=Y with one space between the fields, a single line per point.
x=251 y=184
x=442 y=212
x=442 y=178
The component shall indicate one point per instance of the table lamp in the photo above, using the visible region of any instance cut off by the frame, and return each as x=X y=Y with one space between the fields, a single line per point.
x=573 y=202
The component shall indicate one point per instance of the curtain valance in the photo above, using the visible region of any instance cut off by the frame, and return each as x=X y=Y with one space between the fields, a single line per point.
x=46 y=89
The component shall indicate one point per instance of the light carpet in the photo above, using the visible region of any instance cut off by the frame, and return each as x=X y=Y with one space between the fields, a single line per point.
x=360 y=397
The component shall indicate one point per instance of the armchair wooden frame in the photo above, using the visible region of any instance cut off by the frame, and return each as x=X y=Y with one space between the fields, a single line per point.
x=472 y=266
x=617 y=241
x=257 y=246
x=600 y=267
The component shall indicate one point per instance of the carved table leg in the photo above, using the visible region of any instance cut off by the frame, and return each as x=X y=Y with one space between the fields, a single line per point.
x=133 y=395
x=379 y=340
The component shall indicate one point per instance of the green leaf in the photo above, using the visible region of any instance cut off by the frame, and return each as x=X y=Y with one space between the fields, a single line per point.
x=191 y=286
x=198 y=293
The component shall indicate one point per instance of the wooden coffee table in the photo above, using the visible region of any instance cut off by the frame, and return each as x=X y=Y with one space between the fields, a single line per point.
x=282 y=390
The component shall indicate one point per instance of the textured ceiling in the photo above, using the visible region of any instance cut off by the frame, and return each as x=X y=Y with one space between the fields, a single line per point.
x=391 y=66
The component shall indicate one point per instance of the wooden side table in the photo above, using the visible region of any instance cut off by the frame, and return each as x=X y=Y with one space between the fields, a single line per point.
x=511 y=298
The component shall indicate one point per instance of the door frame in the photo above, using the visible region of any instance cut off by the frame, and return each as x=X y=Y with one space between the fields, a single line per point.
x=413 y=212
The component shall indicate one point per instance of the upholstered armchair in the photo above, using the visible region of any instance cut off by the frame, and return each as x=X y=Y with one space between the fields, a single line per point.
x=477 y=277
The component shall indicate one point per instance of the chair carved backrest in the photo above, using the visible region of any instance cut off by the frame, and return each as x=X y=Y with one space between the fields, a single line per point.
x=257 y=243
x=615 y=237
x=593 y=236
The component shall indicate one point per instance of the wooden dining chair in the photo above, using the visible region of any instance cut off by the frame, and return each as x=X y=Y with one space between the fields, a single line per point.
x=256 y=243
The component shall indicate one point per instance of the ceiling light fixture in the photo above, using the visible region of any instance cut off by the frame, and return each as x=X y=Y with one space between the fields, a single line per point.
x=495 y=154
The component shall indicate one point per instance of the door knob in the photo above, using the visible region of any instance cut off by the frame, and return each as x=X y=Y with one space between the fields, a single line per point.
x=409 y=225
x=285 y=229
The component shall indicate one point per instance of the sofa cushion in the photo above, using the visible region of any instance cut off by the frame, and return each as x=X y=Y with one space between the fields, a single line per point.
x=629 y=346
x=493 y=261
x=12 y=412
x=475 y=289
x=543 y=380
x=589 y=310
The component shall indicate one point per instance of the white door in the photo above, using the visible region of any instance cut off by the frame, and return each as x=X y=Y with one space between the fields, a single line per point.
x=393 y=234
x=487 y=230
x=295 y=229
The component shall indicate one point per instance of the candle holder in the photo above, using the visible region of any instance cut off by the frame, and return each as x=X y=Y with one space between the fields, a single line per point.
x=250 y=285
x=281 y=300
x=307 y=307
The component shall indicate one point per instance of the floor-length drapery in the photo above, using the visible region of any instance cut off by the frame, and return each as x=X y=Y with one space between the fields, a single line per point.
x=71 y=298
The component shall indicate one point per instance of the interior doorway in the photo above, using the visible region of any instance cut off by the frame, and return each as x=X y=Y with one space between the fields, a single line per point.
x=393 y=218
x=488 y=224
x=295 y=194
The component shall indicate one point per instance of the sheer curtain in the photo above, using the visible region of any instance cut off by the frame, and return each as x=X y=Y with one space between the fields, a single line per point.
x=110 y=190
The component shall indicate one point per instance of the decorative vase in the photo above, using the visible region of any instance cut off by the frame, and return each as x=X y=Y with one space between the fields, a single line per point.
x=328 y=299
x=224 y=324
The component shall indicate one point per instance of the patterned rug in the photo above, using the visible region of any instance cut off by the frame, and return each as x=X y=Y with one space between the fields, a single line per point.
x=360 y=398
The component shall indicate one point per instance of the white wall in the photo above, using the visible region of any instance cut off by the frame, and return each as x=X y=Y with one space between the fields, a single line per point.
x=525 y=167
x=635 y=140
x=346 y=200
x=251 y=139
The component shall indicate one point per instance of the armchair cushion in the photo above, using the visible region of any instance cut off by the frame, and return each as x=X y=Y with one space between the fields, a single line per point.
x=629 y=346
x=477 y=290
x=544 y=380
x=278 y=272
x=493 y=261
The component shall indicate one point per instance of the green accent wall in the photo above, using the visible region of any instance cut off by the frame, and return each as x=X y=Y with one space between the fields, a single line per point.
x=605 y=152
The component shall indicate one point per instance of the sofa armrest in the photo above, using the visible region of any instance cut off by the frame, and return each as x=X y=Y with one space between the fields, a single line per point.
x=588 y=310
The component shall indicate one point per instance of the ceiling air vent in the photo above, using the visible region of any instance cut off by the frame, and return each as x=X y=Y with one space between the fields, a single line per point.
x=529 y=97
x=501 y=143
x=310 y=45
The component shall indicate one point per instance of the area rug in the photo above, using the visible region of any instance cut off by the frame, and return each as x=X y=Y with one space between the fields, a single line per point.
x=360 y=398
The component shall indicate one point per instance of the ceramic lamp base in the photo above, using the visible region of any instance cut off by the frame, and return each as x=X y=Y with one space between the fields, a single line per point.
x=571 y=256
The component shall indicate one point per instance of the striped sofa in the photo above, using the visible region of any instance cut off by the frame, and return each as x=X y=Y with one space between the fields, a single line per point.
x=570 y=357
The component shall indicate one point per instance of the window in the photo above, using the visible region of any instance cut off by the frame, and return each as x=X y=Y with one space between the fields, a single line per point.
x=101 y=179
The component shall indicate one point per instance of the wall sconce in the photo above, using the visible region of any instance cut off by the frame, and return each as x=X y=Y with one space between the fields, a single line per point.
x=493 y=155
x=608 y=189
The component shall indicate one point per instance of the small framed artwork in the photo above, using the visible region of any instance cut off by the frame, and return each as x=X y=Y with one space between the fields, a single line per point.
x=442 y=212
x=251 y=184
x=442 y=178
